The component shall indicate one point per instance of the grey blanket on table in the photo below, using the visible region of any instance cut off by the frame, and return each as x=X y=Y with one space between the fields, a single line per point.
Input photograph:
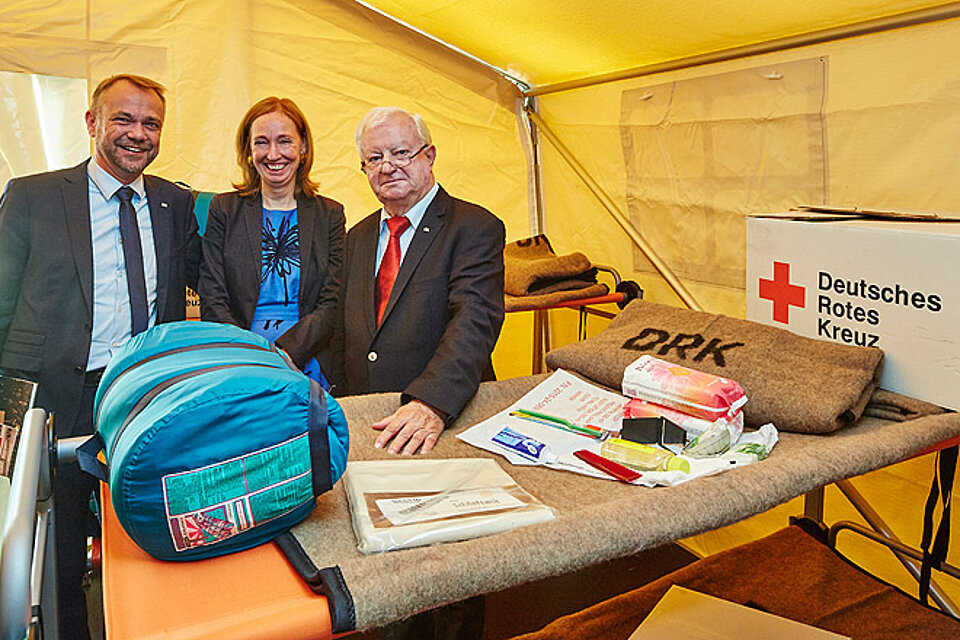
x=597 y=519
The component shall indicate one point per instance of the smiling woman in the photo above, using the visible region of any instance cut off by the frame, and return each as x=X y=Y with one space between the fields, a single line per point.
x=276 y=150
x=273 y=248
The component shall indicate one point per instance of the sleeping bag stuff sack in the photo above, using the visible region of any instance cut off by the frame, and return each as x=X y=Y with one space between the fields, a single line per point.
x=214 y=442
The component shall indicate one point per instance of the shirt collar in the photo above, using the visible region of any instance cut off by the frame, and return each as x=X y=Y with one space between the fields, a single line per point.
x=415 y=213
x=108 y=185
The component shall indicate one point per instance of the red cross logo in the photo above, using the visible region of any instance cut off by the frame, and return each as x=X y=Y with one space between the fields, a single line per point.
x=782 y=293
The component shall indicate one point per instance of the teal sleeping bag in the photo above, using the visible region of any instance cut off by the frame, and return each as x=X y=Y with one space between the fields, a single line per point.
x=214 y=442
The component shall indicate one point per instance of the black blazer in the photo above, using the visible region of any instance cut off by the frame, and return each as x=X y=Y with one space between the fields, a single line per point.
x=232 y=257
x=46 y=278
x=444 y=314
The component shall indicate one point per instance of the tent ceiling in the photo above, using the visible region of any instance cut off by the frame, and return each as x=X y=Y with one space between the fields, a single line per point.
x=551 y=41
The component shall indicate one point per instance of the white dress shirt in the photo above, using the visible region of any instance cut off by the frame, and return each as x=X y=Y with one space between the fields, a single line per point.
x=111 y=299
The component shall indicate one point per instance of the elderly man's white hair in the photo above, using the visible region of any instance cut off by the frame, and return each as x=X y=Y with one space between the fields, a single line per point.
x=379 y=115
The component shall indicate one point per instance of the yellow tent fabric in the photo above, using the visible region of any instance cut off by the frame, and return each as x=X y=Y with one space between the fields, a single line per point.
x=886 y=109
x=551 y=41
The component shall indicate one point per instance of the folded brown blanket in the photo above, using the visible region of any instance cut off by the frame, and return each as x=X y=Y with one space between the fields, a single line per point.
x=562 y=283
x=896 y=407
x=531 y=267
x=789 y=574
x=799 y=384
x=524 y=303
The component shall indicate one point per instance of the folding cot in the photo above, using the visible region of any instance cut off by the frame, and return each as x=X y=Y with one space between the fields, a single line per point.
x=250 y=593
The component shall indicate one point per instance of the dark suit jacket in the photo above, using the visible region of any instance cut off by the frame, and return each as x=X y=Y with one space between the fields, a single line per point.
x=232 y=256
x=46 y=278
x=444 y=314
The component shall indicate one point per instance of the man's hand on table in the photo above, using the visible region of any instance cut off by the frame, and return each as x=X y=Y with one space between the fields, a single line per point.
x=413 y=426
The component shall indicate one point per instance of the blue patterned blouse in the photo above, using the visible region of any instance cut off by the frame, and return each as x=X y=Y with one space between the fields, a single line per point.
x=278 y=307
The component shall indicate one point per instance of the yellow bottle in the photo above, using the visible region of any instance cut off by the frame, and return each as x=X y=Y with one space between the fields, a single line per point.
x=642 y=457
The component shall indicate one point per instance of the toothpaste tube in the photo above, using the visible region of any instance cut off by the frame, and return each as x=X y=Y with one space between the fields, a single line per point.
x=697 y=393
x=524 y=446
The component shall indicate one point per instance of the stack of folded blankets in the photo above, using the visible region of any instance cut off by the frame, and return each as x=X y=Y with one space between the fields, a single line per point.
x=535 y=277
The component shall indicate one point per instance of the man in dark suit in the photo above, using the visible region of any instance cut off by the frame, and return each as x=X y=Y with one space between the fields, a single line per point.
x=71 y=292
x=423 y=304
x=422 y=301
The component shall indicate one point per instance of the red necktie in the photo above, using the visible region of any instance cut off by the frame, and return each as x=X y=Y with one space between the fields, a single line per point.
x=390 y=265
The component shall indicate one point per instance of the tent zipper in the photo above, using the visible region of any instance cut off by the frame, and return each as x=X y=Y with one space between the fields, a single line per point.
x=170 y=352
x=148 y=397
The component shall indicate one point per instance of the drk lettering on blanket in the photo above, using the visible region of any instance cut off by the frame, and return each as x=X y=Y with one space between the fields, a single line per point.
x=659 y=340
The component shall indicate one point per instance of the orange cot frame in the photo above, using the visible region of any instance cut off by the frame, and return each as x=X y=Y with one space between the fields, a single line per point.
x=249 y=595
x=540 y=330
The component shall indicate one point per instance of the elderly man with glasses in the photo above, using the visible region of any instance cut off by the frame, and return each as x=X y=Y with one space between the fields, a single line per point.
x=422 y=294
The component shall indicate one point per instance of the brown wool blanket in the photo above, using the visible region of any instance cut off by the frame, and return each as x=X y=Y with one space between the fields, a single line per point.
x=597 y=520
x=799 y=384
x=789 y=574
x=532 y=268
x=542 y=301
x=888 y=405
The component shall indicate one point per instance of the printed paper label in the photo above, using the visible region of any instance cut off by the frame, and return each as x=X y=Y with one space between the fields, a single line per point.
x=412 y=509
x=216 y=502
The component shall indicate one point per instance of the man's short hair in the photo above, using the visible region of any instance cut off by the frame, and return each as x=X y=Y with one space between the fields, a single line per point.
x=139 y=81
x=379 y=115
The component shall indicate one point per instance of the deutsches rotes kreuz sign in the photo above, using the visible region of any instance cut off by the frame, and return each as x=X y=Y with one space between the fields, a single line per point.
x=892 y=285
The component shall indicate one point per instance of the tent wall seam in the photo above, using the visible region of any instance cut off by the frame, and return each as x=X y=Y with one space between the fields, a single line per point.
x=909 y=19
x=824 y=138
x=611 y=207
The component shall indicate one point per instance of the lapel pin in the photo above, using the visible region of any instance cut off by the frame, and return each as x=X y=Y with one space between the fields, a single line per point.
x=163 y=204
x=426 y=229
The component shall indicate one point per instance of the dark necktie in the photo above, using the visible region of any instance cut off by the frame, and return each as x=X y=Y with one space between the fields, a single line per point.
x=390 y=265
x=133 y=261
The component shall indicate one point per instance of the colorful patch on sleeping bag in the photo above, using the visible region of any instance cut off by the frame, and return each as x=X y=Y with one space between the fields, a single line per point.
x=216 y=502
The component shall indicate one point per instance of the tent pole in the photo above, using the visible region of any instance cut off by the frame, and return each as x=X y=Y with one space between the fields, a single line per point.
x=541 y=317
x=607 y=202
x=877 y=25
x=517 y=82
x=530 y=105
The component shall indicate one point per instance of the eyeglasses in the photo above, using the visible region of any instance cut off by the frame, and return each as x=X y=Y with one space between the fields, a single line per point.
x=400 y=159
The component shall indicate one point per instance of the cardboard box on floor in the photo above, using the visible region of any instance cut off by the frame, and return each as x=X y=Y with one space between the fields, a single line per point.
x=683 y=614
x=881 y=282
